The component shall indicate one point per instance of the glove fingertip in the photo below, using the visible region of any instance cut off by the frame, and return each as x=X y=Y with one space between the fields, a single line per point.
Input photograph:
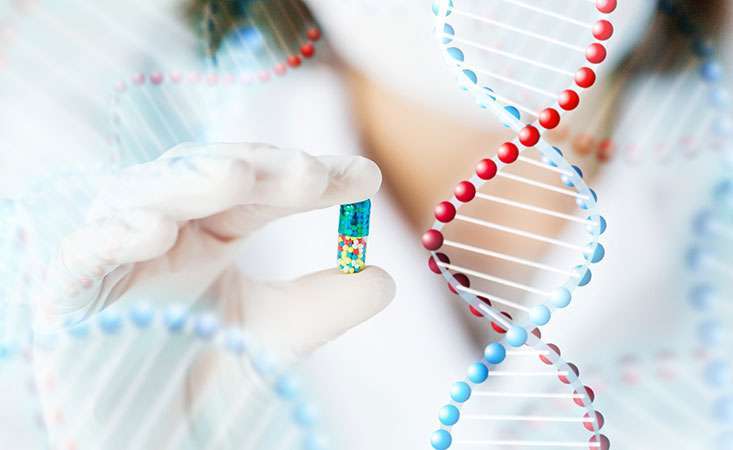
x=320 y=307
x=352 y=179
x=373 y=287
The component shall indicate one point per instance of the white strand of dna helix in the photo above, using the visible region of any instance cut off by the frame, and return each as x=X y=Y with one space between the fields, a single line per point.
x=710 y=266
x=502 y=214
x=710 y=262
x=23 y=422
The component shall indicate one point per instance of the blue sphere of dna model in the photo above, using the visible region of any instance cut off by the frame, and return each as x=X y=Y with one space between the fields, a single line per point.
x=118 y=381
x=710 y=263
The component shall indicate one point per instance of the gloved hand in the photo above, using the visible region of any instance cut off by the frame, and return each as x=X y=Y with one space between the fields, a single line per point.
x=169 y=231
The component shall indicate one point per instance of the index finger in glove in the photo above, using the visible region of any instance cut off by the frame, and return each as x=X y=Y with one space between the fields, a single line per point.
x=192 y=182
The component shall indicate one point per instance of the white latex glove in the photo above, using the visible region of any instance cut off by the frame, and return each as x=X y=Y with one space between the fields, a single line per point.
x=168 y=232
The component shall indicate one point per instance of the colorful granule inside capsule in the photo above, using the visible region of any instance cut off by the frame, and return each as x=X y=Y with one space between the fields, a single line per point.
x=353 y=232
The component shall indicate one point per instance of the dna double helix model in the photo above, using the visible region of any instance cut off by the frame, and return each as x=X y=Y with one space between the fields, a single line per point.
x=709 y=265
x=514 y=58
x=528 y=63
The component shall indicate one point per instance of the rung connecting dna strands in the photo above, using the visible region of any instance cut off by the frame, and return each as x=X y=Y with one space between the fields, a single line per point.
x=526 y=182
x=650 y=399
x=116 y=381
x=710 y=260
x=676 y=104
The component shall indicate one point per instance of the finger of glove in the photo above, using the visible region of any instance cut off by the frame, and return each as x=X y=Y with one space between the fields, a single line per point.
x=75 y=281
x=297 y=317
x=293 y=178
x=135 y=236
x=348 y=180
x=180 y=189
x=194 y=182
